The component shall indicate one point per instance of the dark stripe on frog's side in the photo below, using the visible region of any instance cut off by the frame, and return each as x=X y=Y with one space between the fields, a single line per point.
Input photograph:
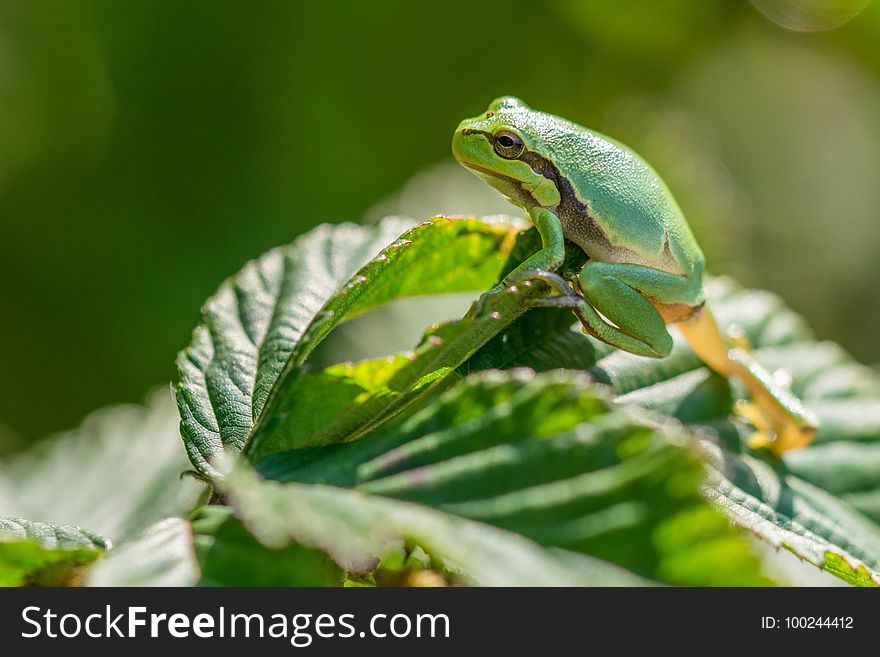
x=579 y=226
x=582 y=228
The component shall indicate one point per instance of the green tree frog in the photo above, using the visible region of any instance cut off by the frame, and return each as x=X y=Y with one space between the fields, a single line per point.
x=645 y=268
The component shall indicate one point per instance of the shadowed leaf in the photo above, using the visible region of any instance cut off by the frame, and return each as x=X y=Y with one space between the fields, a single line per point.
x=42 y=554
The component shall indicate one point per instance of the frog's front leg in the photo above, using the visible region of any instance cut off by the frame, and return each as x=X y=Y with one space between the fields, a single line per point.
x=552 y=253
x=629 y=296
x=540 y=264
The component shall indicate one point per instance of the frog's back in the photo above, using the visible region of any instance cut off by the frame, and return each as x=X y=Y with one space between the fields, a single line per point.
x=619 y=209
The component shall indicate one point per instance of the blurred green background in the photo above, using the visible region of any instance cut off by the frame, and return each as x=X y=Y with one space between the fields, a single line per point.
x=148 y=149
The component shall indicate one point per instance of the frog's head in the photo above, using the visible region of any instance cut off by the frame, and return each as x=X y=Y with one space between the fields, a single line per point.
x=506 y=147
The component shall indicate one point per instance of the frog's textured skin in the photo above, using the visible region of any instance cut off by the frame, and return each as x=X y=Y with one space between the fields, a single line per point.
x=645 y=267
x=614 y=206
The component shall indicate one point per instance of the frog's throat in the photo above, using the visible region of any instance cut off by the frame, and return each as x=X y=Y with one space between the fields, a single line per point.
x=516 y=190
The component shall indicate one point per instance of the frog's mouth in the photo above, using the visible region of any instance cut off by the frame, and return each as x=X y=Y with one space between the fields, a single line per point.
x=512 y=188
x=485 y=172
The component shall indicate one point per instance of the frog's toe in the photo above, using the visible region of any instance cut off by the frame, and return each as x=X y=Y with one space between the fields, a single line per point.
x=572 y=302
x=760 y=440
x=779 y=435
x=752 y=413
x=783 y=440
x=530 y=275
x=792 y=436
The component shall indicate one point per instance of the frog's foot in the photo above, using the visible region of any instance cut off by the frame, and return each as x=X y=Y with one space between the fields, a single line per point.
x=782 y=422
x=774 y=430
x=561 y=293
x=528 y=277
x=764 y=434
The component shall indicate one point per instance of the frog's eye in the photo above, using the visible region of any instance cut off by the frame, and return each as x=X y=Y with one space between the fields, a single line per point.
x=508 y=144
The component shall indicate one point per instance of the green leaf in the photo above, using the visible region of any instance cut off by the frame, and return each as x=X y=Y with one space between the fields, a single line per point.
x=440 y=256
x=843 y=461
x=116 y=473
x=230 y=556
x=360 y=397
x=348 y=400
x=262 y=323
x=788 y=512
x=542 y=339
x=818 y=501
x=42 y=554
x=547 y=457
x=847 y=469
x=836 y=476
x=161 y=555
x=359 y=531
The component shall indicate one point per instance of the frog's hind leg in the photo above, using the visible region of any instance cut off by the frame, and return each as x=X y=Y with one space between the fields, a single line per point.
x=781 y=420
x=626 y=305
